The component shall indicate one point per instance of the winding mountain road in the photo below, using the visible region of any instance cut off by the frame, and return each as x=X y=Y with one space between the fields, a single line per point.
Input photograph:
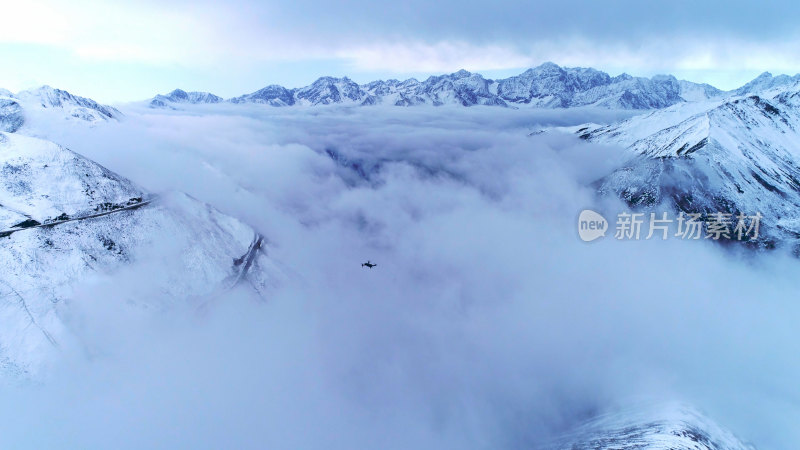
x=246 y=260
x=11 y=231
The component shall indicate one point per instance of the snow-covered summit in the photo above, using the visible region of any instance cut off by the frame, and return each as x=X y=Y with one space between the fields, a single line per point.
x=766 y=84
x=46 y=103
x=180 y=96
x=273 y=95
x=74 y=106
x=330 y=90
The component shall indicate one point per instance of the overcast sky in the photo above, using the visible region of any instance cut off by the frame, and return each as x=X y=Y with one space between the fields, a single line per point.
x=119 y=51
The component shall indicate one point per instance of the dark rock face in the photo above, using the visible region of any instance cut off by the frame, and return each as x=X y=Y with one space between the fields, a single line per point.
x=734 y=156
x=11 y=116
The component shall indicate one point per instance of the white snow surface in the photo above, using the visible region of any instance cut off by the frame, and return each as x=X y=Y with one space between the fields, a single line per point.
x=737 y=155
x=186 y=248
x=655 y=427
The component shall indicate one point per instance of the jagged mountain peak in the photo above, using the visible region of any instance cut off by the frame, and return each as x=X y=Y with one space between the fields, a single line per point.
x=330 y=79
x=622 y=77
x=767 y=84
x=547 y=85
x=48 y=100
x=763 y=75
x=178 y=96
x=547 y=66
x=330 y=90
x=273 y=95
x=51 y=97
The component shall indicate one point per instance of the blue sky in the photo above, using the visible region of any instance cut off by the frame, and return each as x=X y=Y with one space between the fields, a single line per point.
x=120 y=51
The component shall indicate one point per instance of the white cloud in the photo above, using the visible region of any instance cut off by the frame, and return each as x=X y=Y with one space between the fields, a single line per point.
x=487 y=321
x=437 y=57
x=116 y=31
x=247 y=34
x=709 y=60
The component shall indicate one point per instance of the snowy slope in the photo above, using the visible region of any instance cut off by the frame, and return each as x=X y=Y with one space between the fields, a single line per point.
x=45 y=105
x=650 y=427
x=43 y=180
x=103 y=223
x=737 y=155
x=71 y=107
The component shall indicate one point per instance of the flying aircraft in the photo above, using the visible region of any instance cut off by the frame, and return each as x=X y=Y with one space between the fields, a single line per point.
x=368 y=264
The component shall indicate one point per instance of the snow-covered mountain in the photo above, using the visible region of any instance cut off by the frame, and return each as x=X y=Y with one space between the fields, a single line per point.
x=768 y=85
x=272 y=95
x=71 y=106
x=672 y=426
x=179 y=96
x=329 y=90
x=548 y=86
x=740 y=154
x=64 y=218
x=552 y=86
x=545 y=86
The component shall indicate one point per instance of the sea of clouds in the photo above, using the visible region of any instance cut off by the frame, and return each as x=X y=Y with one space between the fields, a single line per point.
x=486 y=324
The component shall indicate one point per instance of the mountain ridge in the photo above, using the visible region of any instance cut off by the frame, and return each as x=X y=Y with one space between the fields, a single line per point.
x=16 y=109
x=736 y=156
x=547 y=85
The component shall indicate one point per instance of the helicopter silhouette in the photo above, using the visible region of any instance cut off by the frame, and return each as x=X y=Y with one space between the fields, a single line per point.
x=368 y=264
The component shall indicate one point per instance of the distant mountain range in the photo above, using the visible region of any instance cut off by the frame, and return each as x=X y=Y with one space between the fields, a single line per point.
x=545 y=86
x=694 y=148
x=179 y=96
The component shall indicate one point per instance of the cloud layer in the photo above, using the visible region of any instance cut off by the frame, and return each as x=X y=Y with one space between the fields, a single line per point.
x=244 y=45
x=487 y=323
